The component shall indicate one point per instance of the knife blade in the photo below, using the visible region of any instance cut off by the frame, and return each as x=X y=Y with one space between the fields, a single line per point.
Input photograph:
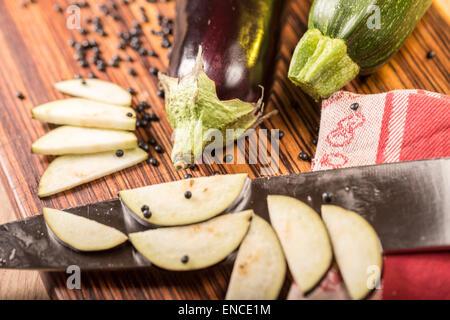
x=407 y=203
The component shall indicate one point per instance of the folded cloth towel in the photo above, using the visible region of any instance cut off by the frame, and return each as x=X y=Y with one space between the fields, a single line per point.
x=400 y=125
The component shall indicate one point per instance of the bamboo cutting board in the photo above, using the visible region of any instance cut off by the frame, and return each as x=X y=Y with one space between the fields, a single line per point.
x=35 y=54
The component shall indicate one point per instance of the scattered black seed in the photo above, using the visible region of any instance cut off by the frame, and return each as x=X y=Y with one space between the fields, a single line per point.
x=101 y=65
x=159 y=149
x=215 y=173
x=57 y=8
x=20 y=95
x=152 y=53
x=326 y=197
x=160 y=93
x=77 y=76
x=303 y=156
x=129 y=114
x=184 y=259
x=316 y=129
x=91 y=75
x=153 y=117
x=131 y=91
x=138 y=123
x=166 y=43
x=83 y=63
x=146 y=211
x=83 y=31
x=153 y=161
x=113 y=63
x=354 y=106
x=121 y=45
x=119 y=153
x=193 y=166
x=88 y=20
x=144 y=146
x=153 y=70
x=280 y=134
x=72 y=43
x=187 y=176
x=144 y=104
x=83 y=82
x=228 y=158
x=314 y=141
x=431 y=54
x=140 y=109
x=144 y=123
x=152 y=141
x=188 y=194
x=142 y=51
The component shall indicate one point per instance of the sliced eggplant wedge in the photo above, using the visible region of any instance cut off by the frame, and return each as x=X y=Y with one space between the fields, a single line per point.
x=86 y=113
x=97 y=90
x=304 y=239
x=195 y=246
x=80 y=140
x=81 y=233
x=260 y=267
x=186 y=201
x=66 y=172
x=357 y=249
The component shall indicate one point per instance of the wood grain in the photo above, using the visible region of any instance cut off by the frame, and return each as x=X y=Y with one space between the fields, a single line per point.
x=35 y=54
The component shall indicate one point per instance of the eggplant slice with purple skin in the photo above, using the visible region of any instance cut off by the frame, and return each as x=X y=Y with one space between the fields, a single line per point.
x=223 y=54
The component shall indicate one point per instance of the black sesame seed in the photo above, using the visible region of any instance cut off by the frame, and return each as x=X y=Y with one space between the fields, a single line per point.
x=215 y=173
x=159 y=149
x=316 y=129
x=153 y=70
x=20 y=95
x=152 y=141
x=144 y=146
x=143 y=104
x=280 y=134
x=193 y=166
x=142 y=52
x=129 y=114
x=91 y=75
x=132 y=72
x=130 y=59
x=153 y=162
x=144 y=123
x=187 y=176
x=77 y=76
x=354 y=106
x=145 y=208
x=131 y=91
x=314 y=141
x=83 y=82
x=431 y=54
x=326 y=197
x=188 y=194
x=160 y=93
x=119 y=153
x=303 y=156
x=184 y=259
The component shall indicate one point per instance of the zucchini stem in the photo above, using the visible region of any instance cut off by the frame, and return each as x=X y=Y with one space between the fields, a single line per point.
x=320 y=65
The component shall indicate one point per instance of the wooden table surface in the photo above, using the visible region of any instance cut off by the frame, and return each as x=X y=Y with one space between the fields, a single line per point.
x=35 y=54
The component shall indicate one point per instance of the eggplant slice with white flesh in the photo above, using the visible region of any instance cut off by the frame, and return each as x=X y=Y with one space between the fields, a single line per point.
x=86 y=113
x=68 y=171
x=304 y=239
x=80 y=140
x=185 y=201
x=357 y=249
x=95 y=89
x=81 y=233
x=260 y=267
x=195 y=246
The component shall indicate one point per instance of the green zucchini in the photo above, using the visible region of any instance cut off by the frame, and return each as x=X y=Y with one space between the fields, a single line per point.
x=348 y=37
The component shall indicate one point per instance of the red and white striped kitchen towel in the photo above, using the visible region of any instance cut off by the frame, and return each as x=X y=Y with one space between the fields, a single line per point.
x=395 y=126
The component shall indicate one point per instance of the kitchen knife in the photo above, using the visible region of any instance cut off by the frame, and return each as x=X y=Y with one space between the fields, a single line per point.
x=407 y=203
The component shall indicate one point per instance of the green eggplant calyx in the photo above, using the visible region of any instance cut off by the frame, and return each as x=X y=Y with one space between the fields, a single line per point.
x=320 y=65
x=199 y=118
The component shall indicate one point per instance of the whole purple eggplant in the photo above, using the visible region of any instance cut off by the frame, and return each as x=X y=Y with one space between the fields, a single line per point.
x=223 y=53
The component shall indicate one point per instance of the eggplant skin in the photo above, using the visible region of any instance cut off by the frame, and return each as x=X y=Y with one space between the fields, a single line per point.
x=370 y=48
x=239 y=41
